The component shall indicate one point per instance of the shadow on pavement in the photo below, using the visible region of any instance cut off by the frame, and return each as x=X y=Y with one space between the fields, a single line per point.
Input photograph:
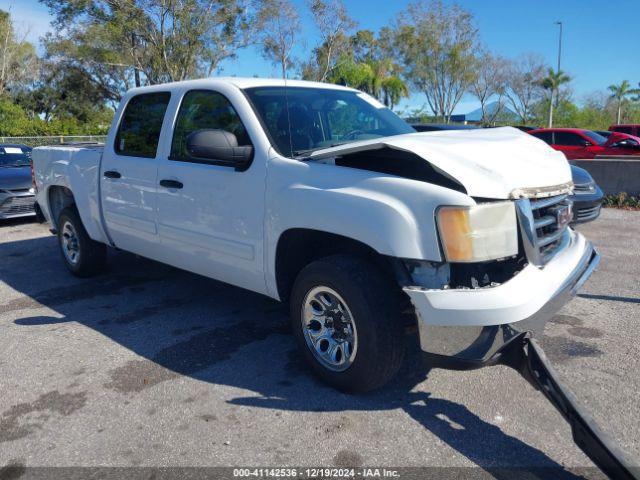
x=611 y=298
x=184 y=324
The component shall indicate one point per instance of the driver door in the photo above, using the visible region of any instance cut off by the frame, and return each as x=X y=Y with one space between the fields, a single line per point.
x=210 y=216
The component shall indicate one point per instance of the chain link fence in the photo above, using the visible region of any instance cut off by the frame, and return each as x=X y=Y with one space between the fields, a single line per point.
x=54 y=140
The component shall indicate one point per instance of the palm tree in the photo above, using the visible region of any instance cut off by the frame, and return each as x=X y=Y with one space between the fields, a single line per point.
x=393 y=89
x=385 y=85
x=620 y=94
x=552 y=82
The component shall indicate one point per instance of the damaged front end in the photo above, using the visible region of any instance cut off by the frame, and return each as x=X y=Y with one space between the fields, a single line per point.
x=467 y=311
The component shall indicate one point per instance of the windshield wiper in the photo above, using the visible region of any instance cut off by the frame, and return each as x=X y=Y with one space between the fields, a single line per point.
x=13 y=165
x=298 y=153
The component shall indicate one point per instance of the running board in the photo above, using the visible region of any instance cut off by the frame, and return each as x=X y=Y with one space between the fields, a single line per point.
x=528 y=359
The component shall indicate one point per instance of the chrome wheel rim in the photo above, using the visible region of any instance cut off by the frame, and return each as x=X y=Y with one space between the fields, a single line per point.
x=329 y=329
x=70 y=244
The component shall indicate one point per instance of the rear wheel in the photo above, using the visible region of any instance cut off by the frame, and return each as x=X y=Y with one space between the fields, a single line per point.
x=83 y=256
x=345 y=318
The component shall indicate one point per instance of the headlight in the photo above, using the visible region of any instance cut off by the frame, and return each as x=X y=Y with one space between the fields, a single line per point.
x=584 y=189
x=479 y=233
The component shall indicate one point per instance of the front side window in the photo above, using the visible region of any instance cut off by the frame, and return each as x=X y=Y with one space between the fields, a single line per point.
x=205 y=110
x=301 y=119
x=569 y=139
x=595 y=138
x=139 y=131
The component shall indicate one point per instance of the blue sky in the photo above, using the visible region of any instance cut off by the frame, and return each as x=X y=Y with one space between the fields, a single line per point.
x=601 y=43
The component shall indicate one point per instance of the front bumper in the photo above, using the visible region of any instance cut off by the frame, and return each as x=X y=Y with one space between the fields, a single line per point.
x=586 y=207
x=471 y=325
x=15 y=204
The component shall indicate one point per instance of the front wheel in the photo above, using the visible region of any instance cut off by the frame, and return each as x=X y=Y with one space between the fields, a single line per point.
x=83 y=256
x=345 y=318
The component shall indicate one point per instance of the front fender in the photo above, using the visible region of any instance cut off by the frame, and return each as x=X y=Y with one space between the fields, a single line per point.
x=394 y=216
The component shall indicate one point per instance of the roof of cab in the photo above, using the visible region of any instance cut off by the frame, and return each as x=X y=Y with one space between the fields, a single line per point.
x=241 y=82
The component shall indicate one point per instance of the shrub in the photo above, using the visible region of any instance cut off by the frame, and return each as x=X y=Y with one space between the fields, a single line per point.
x=622 y=200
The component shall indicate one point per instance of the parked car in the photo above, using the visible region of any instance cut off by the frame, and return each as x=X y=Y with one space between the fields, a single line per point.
x=437 y=127
x=577 y=143
x=320 y=196
x=525 y=128
x=587 y=196
x=629 y=129
x=17 y=196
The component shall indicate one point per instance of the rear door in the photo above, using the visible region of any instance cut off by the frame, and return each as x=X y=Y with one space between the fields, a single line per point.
x=129 y=172
x=573 y=145
x=211 y=216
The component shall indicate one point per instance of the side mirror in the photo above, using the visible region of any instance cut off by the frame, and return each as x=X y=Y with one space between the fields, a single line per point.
x=628 y=143
x=219 y=147
x=587 y=143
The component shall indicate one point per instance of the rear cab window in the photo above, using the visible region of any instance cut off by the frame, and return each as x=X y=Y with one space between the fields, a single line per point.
x=139 y=130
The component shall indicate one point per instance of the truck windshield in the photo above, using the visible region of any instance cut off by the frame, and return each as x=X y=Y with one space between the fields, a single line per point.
x=14 y=157
x=319 y=118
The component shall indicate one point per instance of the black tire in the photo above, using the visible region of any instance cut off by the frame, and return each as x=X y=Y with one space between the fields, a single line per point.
x=91 y=255
x=373 y=302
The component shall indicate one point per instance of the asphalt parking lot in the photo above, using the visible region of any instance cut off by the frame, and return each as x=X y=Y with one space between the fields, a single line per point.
x=151 y=366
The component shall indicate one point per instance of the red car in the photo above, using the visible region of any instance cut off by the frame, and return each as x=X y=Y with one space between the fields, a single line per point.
x=576 y=143
x=629 y=129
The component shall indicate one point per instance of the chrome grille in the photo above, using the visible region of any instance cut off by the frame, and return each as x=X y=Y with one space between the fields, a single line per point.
x=18 y=205
x=542 y=234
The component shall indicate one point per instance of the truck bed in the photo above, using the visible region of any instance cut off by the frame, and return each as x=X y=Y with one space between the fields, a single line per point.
x=75 y=167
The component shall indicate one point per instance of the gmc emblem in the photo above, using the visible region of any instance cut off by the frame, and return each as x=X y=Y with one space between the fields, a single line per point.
x=564 y=215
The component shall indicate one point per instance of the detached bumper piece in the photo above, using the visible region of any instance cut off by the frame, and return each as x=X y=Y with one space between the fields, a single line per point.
x=528 y=359
x=464 y=329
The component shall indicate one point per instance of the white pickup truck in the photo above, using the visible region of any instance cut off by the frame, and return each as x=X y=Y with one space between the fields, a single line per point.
x=320 y=196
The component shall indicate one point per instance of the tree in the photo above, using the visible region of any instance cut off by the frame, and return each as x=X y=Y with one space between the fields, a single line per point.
x=280 y=26
x=352 y=74
x=393 y=89
x=116 y=44
x=334 y=24
x=620 y=93
x=18 y=59
x=552 y=82
x=437 y=46
x=524 y=84
x=490 y=84
x=63 y=94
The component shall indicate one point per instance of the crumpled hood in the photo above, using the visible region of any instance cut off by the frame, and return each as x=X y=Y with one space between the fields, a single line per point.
x=489 y=162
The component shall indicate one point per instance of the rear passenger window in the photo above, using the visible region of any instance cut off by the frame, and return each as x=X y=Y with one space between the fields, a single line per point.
x=569 y=139
x=544 y=136
x=201 y=110
x=627 y=130
x=139 y=130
